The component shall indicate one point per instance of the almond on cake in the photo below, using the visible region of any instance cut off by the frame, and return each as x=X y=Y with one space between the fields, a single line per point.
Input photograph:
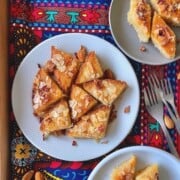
x=125 y=170
x=139 y=16
x=105 y=90
x=80 y=102
x=163 y=37
x=45 y=92
x=57 y=118
x=90 y=69
x=92 y=125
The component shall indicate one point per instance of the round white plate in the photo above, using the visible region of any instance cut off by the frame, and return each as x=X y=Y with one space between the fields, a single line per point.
x=127 y=40
x=169 y=166
x=61 y=147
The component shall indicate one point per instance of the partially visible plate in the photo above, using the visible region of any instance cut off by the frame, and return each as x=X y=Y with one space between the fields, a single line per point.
x=169 y=166
x=61 y=147
x=126 y=38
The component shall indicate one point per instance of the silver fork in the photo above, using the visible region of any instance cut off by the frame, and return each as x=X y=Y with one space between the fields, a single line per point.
x=154 y=106
x=168 y=94
x=164 y=88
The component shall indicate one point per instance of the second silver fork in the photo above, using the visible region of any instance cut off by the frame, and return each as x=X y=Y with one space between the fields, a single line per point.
x=164 y=89
x=155 y=108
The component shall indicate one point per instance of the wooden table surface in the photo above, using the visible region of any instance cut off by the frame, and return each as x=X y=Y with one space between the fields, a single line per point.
x=4 y=150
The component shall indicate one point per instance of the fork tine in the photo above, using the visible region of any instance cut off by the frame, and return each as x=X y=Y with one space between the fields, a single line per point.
x=150 y=90
x=154 y=85
x=166 y=87
x=170 y=86
x=146 y=99
x=162 y=85
x=156 y=80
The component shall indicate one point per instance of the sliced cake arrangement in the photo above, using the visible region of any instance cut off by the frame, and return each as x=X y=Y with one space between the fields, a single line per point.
x=128 y=170
x=74 y=96
x=153 y=21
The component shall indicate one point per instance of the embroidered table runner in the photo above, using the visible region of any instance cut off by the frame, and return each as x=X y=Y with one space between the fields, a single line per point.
x=33 y=21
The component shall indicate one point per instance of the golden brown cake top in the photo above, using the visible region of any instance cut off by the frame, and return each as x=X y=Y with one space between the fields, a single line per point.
x=80 y=102
x=105 y=90
x=92 y=125
x=45 y=91
x=57 y=118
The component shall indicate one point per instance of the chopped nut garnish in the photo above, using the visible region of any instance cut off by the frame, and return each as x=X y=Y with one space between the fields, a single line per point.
x=141 y=11
x=143 y=49
x=127 y=109
x=39 y=66
x=163 y=35
x=74 y=143
x=45 y=136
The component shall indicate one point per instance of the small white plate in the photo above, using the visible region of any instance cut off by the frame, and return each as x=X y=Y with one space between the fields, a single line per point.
x=61 y=147
x=169 y=166
x=126 y=37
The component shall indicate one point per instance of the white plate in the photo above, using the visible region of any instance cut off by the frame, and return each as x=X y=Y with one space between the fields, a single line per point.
x=127 y=40
x=61 y=147
x=169 y=166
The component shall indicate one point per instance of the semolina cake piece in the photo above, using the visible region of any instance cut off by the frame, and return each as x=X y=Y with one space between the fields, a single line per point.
x=139 y=16
x=105 y=90
x=169 y=10
x=64 y=68
x=125 y=170
x=150 y=172
x=90 y=69
x=93 y=125
x=57 y=118
x=163 y=37
x=80 y=102
x=45 y=92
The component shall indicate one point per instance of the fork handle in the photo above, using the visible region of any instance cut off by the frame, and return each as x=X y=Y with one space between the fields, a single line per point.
x=175 y=119
x=169 y=141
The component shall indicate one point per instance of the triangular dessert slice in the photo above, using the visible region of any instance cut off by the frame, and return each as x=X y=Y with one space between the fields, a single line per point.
x=169 y=10
x=57 y=118
x=126 y=170
x=92 y=125
x=64 y=67
x=106 y=90
x=163 y=37
x=80 y=102
x=151 y=172
x=90 y=69
x=45 y=92
x=139 y=16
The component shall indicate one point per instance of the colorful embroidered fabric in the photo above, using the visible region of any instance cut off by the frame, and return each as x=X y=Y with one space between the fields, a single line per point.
x=31 y=22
